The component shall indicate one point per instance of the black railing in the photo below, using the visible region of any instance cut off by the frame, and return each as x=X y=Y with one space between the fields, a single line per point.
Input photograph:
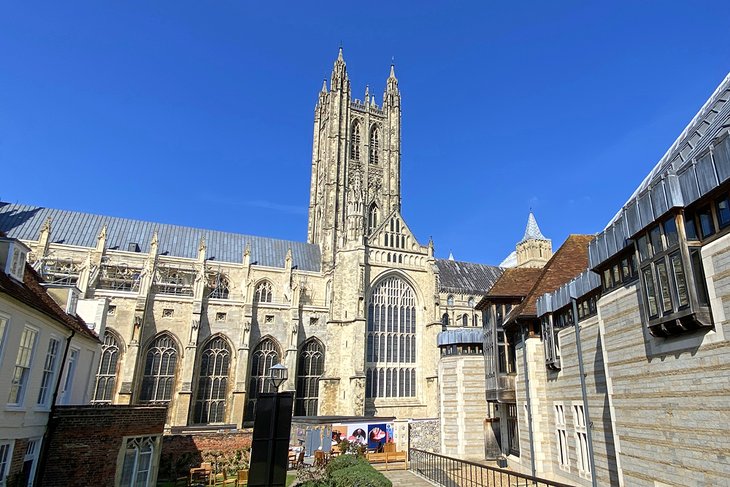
x=452 y=472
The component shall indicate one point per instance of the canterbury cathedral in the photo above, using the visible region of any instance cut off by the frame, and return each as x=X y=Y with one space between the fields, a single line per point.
x=195 y=318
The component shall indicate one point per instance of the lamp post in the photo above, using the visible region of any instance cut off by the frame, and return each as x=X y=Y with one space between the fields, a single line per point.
x=278 y=374
x=271 y=430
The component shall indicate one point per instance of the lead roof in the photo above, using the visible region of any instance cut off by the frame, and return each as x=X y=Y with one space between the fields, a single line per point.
x=466 y=277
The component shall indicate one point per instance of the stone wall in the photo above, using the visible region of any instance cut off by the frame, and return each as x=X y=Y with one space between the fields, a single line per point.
x=85 y=442
x=425 y=434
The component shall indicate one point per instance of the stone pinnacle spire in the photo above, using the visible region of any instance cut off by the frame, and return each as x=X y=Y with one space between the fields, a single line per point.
x=532 y=231
x=324 y=85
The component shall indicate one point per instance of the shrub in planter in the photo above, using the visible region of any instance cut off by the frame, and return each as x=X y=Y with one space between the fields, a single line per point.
x=360 y=475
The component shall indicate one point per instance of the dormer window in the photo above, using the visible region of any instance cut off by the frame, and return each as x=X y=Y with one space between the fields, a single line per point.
x=13 y=255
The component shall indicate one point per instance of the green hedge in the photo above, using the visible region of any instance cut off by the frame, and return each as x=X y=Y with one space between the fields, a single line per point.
x=351 y=471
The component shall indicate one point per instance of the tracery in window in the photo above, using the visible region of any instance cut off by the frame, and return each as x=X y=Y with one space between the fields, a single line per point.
x=391 y=340
x=450 y=300
x=210 y=404
x=137 y=466
x=355 y=141
x=263 y=293
x=374 y=145
x=264 y=356
x=372 y=218
x=107 y=373
x=159 y=370
x=310 y=369
x=119 y=277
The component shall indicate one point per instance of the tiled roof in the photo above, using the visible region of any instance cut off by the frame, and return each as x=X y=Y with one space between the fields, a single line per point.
x=569 y=261
x=466 y=277
x=515 y=282
x=75 y=228
x=532 y=231
x=33 y=294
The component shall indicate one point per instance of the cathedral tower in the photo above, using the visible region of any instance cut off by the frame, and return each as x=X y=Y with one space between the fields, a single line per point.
x=355 y=163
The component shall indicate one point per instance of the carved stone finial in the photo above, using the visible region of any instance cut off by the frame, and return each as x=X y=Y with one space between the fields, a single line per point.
x=46 y=225
x=201 y=245
x=102 y=233
x=155 y=239
x=247 y=250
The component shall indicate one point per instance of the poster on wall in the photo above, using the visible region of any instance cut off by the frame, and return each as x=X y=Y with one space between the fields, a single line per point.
x=357 y=433
x=377 y=436
x=339 y=433
x=389 y=431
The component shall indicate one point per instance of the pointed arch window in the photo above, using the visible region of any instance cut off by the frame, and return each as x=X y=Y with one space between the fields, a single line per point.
x=372 y=218
x=210 y=403
x=218 y=286
x=391 y=340
x=450 y=300
x=264 y=356
x=159 y=370
x=263 y=293
x=310 y=369
x=355 y=141
x=374 y=145
x=445 y=320
x=106 y=376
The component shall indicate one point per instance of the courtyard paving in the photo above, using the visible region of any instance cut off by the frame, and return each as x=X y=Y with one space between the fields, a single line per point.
x=406 y=477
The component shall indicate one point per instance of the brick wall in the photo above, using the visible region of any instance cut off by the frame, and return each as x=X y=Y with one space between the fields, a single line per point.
x=182 y=451
x=85 y=441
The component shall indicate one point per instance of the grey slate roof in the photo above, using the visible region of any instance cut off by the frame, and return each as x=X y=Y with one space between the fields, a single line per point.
x=466 y=277
x=75 y=228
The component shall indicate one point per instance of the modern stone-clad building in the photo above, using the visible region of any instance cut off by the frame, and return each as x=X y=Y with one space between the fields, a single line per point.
x=619 y=376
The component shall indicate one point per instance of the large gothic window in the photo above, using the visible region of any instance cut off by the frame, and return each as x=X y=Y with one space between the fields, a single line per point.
x=391 y=340
x=106 y=376
x=263 y=293
x=159 y=370
x=355 y=141
x=210 y=403
x=311 y=368
x=264 y=356
x=374 y=145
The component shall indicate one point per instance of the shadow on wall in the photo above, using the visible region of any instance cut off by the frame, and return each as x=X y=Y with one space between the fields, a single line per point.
x=599 y=379
x=229 y=452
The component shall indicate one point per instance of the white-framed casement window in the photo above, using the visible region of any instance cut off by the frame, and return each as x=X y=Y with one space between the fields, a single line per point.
x=561 y=437
x=6 y=455
x=23 y=363
x=50 y=367
x=67 y=381
x=30 y=461
x=581 y=441
x=139 y=454
x=3 y=327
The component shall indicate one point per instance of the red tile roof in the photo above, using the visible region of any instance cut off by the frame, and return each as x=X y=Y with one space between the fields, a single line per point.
x=570 y=260
x=515 y=282
x=33 y=294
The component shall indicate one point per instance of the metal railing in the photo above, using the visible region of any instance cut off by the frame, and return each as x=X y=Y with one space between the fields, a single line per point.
x=453 y=472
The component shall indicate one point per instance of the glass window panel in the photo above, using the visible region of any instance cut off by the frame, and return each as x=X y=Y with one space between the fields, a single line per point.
x=625 y=268
x=607 y=279
x=663 y=277
x=616 y=274
x=655 y=237
x=650 y=292
x=643 y=244
x=723 y=212
x=680 y=280
x=690 y=228
x=707 y=226
x=670 y=232
x=699 y=277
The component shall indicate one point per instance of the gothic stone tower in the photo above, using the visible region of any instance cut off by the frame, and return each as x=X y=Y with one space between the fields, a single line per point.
x=355 y=163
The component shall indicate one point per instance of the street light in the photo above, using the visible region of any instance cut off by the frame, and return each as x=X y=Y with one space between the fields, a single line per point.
x=278 y=374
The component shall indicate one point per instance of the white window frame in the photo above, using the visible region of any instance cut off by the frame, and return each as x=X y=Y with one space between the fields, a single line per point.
x=151 y=467
x=25 y=379
x=5 y=321
x=69 y=373
x=561 y=437
x=49 y=374
x=581 y=441
x=32 y=456
x=6 y=459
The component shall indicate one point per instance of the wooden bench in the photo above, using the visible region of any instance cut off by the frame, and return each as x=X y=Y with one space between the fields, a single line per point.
x=389 y=458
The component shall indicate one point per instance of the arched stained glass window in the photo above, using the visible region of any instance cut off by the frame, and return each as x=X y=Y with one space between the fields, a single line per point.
x=263 y=293
x=159 y=370
x=210 y=403
x=391 y=340
x=374 y=145
x=264 y=356
x=355 y=141
x=310 y=369
x=106 y=376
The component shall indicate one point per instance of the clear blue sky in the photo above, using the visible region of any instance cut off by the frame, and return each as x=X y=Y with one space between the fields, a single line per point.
x=200 y=113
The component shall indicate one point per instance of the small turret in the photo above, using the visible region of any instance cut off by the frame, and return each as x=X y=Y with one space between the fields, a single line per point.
x=534 y=250
x=339 y=80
